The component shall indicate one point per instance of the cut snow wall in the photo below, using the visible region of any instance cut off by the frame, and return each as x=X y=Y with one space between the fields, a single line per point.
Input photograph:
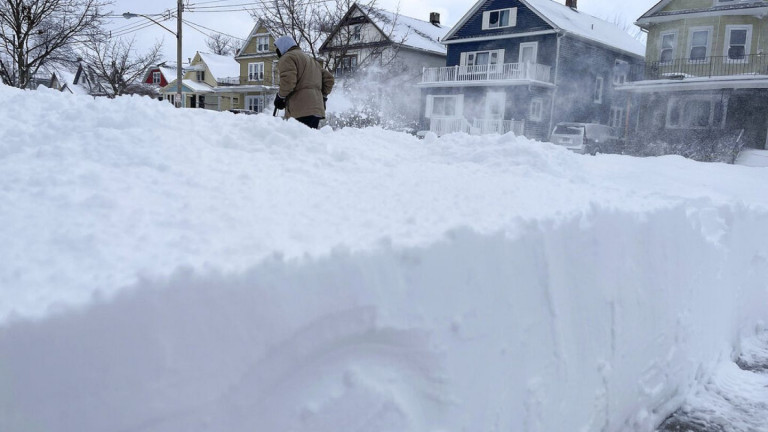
x=599 y=323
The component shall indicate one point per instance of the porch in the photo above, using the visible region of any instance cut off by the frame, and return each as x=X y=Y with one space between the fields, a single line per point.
x=502 y=74
x=443 y=126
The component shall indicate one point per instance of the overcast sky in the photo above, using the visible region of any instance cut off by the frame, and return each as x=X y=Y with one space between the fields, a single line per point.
x=231 y=17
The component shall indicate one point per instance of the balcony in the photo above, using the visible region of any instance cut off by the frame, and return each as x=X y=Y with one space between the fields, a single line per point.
x=486 y=74
x=707 y=67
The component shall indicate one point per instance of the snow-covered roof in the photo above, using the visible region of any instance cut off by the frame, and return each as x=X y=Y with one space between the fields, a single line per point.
x=576 y=22
x=587 y=26
x=221 y=66
x=657 y=9
x=195 y=86
x=407 y=31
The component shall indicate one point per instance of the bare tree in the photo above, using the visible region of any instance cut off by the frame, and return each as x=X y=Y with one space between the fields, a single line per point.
x=221 y=44
x=33 y=32
x=628 y=26
x=311 y=23
x=116 y=64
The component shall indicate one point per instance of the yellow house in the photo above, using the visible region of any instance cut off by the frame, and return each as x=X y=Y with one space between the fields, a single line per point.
x=207 y=83
x=246 y=82
x=258 y=70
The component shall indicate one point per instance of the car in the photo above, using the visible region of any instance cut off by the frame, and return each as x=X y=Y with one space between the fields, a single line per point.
x=242 y=111
x=585 y=138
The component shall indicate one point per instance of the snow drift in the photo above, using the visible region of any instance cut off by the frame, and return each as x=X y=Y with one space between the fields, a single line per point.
x=168 y=270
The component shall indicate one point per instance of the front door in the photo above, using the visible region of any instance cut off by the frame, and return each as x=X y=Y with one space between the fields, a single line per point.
x=495 y=102
x=529 y=52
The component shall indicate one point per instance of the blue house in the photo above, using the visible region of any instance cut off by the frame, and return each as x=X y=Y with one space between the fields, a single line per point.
x=524 y=65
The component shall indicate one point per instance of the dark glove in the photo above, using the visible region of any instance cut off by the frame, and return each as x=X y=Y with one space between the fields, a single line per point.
x=279 y=102
x=325 y=102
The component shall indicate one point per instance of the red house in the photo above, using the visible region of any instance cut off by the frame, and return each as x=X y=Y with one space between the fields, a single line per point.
x=160 y=75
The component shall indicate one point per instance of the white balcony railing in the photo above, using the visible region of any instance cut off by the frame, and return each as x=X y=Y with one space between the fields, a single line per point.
x=443 y=126
x=499 y=72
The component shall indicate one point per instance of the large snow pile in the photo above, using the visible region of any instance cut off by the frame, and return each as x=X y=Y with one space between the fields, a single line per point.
x=168 y=270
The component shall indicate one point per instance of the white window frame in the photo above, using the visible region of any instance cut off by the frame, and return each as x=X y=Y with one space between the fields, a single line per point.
x=617 y=117
x=536 y=110
x=156 y=78
x=674 y=102
x=597 y=97
x=469 y=58
x=256 y=71
x=747 y=43
x=260 y=45
x=535 y=46
x=620 y=78
x=458 y=101
x=708 y=52
x=200 y=76
x=672 y=33
x=357 y=32
x=511 y=23
x=254 y=101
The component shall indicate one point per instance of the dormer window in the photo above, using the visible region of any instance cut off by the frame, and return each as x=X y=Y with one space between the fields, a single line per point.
x=501 y=18
x=200 y=75
x=262 y=43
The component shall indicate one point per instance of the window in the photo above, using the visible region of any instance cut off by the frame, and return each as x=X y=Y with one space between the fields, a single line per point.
x=275 y=73
x=536 y=110
x=737 y=42
x=620 y=72
x=698 y=44
x=444 y=106
x=254 y=103
x=357 y=32
x=200 y=75
x=256 y=71
x=262 y=43
x=598 y=95
x=201 y=100
x=499 y=18
x=616 y=119
x=155 y=77
x=698 y=112
x=668 y=44
x=481 y=58
x=347 y=64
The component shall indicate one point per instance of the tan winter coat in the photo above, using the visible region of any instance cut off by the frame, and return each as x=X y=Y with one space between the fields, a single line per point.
x=303 y=84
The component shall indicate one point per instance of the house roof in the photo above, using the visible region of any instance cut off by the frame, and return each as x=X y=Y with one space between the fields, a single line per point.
x=572 y=21
x=169 y=72
x=409 y=32
x=191 y=85
x=221 y=66
x=658 y=9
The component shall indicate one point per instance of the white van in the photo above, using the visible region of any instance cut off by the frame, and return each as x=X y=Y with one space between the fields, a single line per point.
x=589 y=138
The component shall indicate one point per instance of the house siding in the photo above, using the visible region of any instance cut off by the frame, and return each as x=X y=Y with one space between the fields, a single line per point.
x=580 y=65
x=527 y=21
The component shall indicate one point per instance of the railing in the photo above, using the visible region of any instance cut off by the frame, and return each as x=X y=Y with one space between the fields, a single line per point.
x=443 y=126
x=487 y=126
x=499 y=72
x=754 y=64
x=228 y=81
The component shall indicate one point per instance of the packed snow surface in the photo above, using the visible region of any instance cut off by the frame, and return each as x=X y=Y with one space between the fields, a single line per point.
x=166 y=270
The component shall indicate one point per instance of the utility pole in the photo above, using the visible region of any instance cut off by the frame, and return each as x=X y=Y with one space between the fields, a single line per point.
x=179 y=75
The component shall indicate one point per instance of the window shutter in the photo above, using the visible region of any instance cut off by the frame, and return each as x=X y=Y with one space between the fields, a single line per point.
x=428 y=110
x=486 y=20
x=460 y=105
x=463 y=59
x=513 y=17
x=501 y=56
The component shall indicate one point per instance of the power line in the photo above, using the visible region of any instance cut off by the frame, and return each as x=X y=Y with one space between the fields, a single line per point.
x=191 y=24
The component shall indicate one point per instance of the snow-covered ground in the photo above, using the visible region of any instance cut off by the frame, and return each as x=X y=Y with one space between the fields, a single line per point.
x=166 y=270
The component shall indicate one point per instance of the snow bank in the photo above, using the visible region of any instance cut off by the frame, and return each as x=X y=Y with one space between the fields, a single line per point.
x=169 y=270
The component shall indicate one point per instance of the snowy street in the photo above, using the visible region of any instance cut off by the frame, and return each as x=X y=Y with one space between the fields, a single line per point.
x=167 y=270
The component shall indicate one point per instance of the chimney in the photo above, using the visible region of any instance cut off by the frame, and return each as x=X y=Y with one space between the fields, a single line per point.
x=571 y=4
x=434 y=18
